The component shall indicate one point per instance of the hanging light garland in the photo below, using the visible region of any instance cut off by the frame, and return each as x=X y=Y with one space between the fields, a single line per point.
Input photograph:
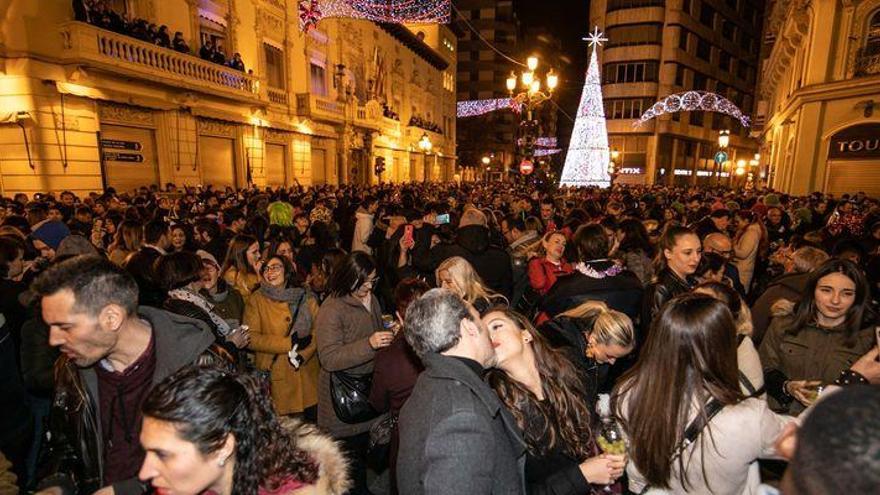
x=390 y=11
x=472 y=108
x=691 y=101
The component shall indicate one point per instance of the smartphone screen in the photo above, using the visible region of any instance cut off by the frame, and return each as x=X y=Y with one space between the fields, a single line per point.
x=443 y=219
x=408 y=233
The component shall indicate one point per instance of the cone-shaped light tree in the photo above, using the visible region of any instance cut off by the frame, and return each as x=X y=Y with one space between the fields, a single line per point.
x=586 y=163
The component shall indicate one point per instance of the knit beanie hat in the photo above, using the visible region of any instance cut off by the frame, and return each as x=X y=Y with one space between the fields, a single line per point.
x=51 y=233
x=74 y=245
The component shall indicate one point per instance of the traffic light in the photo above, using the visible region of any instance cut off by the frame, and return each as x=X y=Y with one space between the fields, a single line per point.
x=380 y=165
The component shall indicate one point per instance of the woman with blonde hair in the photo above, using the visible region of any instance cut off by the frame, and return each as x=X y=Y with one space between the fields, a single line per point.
x=129 y=239
x=597 y=336
x=457 y=275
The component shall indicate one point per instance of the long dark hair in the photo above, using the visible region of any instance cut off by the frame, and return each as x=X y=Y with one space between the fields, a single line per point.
x=857 y=315
x=660 y=392
x=635 y=237
x=236 y=255
x=350 y=273
x=207 y=404
x=565 y=415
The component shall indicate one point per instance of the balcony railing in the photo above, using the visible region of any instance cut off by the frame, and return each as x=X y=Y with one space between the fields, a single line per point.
x=277 y=96
x=309 y=105
x=92 y=45
x=868 y=61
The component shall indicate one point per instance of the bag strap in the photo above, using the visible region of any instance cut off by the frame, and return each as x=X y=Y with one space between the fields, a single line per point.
x=697 y=425
x=293 y=317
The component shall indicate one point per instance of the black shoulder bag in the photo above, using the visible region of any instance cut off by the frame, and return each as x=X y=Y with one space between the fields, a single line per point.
x=350 y=394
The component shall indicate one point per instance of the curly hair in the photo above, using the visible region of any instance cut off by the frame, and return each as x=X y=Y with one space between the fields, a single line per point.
x=207 y=404
x=565 y=416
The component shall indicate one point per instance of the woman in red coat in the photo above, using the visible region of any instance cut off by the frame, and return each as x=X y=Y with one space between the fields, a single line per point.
x=544 y=270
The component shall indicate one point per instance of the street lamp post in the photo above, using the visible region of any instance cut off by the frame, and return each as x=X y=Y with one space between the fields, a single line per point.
x=425 y=145
x=721 y=156
x=530 y=96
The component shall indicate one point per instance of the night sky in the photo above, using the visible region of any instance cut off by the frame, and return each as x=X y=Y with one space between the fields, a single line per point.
x=569 y=20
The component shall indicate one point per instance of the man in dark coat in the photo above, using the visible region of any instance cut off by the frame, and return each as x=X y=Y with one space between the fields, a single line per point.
x=141 y=265
x=472 y=242
x=113 y=352
x=455 y=434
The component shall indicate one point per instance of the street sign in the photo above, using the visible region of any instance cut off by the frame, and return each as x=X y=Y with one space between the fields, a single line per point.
x=526 y=167
x=118 y=144
x=123 y=157
x=720 y=157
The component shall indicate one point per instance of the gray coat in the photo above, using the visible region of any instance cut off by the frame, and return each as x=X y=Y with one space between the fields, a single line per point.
x=342 y=333
x=456 y=436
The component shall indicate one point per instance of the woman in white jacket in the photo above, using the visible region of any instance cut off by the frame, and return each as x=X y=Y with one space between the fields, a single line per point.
x=662 y=398
x=749 y=240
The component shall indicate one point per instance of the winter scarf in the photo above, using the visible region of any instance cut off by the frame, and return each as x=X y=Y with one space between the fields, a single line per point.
x=294 y=297
x=191 y=297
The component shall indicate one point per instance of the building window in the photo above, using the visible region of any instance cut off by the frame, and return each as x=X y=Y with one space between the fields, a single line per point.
x=274 y=66
x=742 y=71
x=686 y=6
x=318 y=78
x=704 y=50
x=631 y=72
x=700 y=81
x=707 y=16
x=683 y=39
x=679 y=75
x=728 y=30
x=872 y=40
x=627 y=108
x=697 y=118
x=724 y=61
x=632 y=4
x=635 y=34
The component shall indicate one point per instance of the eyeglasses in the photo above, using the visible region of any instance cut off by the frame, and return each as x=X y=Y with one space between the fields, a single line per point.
x=274 y=268
x=371 y=282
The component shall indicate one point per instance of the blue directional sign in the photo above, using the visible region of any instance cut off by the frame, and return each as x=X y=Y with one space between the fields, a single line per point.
x=720 y=157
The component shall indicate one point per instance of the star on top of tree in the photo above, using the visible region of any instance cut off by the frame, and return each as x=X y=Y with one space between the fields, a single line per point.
x=596 y=37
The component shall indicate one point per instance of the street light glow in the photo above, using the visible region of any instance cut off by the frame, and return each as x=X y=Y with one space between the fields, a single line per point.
x=532 y=62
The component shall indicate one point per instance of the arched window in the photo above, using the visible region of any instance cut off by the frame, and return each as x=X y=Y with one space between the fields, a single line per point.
x=872 y=36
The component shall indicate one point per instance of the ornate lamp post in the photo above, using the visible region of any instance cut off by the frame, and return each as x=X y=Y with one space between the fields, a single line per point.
x=721 y=156
x=530 y=96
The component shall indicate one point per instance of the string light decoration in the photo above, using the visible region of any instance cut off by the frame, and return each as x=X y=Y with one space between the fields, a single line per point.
x=547 y=152
x=541 y=142
x=691 y=101
x=586 y=163
x=472 y=108
x=390 y=11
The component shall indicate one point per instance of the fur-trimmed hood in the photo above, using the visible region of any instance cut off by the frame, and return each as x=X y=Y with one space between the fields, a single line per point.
x=782 y=307
x=333 y=476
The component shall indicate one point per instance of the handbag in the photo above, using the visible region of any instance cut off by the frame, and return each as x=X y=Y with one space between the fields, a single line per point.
x=350 y=394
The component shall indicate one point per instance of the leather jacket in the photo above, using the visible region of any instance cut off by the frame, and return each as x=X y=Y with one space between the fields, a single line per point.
x=658 y=293
x=72 y=453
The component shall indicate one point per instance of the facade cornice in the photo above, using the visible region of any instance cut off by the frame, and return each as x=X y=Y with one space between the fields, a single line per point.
x=789 y=24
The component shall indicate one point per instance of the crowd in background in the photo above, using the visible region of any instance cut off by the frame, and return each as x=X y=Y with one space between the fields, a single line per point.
x=451 y=338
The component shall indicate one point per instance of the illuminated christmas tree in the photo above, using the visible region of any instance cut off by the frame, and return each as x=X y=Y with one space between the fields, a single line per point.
x=586 y=163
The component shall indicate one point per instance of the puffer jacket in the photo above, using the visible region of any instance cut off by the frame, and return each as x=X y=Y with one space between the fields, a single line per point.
x=72 y=457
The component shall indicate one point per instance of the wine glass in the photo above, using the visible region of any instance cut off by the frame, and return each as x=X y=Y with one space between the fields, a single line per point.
x=611 y=440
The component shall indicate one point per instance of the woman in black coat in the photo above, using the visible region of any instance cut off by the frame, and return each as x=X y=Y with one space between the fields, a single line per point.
x=678 y=256
x=542 y=390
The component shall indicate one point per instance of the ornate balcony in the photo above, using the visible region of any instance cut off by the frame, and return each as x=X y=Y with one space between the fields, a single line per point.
x=92 y=46
x=315 y=107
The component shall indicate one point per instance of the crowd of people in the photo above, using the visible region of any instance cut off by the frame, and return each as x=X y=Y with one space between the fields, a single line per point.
x=99 y=13
x=482 y=338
